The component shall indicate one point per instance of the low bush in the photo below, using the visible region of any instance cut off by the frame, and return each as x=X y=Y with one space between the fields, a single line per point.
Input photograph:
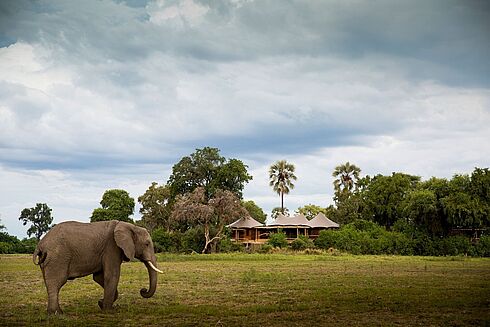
x=302 y=243
x=278 y=240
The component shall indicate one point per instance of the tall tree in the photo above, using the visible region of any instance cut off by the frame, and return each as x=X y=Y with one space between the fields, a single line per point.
x=156 y=206
x=254 y=211
x=39 y=217
x=281 y=177
x=212 y=213
x=346 y=177
x=385 y=195
x=116 y=204
x=207 y=168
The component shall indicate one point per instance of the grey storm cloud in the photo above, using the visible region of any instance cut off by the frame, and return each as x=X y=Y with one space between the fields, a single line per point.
x=142 y=77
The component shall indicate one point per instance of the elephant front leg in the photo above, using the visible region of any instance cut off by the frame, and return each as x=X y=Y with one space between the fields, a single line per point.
x=99 y=279
x=111 y=280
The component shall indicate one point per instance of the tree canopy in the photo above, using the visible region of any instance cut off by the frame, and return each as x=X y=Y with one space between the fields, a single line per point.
x=281 y=177
x=346 y=176
x=116 y=204
x=254 y=211
x=213 y=213
x=208 y=169
x=39 y=217
x=156 y=206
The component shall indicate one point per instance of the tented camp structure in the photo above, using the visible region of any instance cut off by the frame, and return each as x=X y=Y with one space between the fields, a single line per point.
x=248 y=230
x=245 y=229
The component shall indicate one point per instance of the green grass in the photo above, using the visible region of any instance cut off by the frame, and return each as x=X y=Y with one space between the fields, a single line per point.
x=263 y=290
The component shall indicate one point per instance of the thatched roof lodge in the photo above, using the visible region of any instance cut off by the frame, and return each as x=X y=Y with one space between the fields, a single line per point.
x=249 y=230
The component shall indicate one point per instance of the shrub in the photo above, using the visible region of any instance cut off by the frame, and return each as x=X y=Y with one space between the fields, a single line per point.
x=302 y=243
x=327 y=239
x=482 y=247
x=5 y=248
x=278 y=240
x=164 y=241
x=193 y=240
x=226 y=245
x=456 y=245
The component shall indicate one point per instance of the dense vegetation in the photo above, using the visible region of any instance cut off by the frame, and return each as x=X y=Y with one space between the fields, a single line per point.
x=393 y=214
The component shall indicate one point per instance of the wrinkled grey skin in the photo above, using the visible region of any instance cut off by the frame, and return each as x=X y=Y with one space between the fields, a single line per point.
x=73 y=249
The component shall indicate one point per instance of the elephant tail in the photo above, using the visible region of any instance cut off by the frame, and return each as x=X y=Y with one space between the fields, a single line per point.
x=38 y=254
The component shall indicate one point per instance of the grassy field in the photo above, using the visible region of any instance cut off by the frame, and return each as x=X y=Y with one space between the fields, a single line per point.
x=264 y=290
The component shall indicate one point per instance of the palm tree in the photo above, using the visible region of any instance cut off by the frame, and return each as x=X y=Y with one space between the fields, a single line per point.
x=346 y=176
x=281 y=175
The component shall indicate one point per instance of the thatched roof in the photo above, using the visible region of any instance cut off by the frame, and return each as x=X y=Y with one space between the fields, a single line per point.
x=321 y=221
x=298 y=220
x=245 y=222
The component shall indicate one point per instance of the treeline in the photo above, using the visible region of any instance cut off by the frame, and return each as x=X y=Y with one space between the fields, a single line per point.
x=437 y=207
x=394 y=214
x=11 y=244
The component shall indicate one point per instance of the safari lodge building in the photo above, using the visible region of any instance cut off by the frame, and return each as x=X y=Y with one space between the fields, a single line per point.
x=249 y=231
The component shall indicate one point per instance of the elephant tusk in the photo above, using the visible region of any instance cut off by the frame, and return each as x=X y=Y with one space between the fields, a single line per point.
x=154 y=268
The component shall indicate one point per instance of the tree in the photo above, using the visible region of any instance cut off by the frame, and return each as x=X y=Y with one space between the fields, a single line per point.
x=39 y=217
x=116 y=205
x=420 y=210
x=384 y=195
x=278 y=210
x=281 y=175
x=156 y=207
x=465 y=205
x=212 y=213
x=311 y=210
x=207 y=168
x=254 y=211
x=346 y=176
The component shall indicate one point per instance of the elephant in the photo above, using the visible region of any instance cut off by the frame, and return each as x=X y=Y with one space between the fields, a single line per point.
x=73 y=249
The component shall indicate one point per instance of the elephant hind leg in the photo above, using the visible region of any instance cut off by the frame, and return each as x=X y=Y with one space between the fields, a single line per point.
x=99 y=279
x=54 y=282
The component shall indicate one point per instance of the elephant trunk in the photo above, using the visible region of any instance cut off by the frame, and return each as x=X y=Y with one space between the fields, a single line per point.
x=152 y=274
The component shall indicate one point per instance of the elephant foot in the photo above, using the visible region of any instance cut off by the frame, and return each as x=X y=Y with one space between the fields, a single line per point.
x=106 y=308
x=56 y=312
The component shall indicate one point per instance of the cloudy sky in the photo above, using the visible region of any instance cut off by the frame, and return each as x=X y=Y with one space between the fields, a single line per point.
x=97 y=95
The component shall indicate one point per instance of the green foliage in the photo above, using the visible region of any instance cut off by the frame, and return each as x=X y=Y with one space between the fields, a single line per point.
x=226 y=245
x=281 y=177
x=6 y=248
x=193 y=240
x=277 y=210
x=346 y=176
x=156 y=206
x=254 y=211
x=116 y=205
x=302 y=243
x=278 y=240
x=39 y=218
x=165 y=241
x=207 y=168
x=384 y=196
x=11 y=244
x=311 y=210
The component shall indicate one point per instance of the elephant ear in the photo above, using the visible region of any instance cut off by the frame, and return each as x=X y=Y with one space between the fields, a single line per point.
x=123 y=235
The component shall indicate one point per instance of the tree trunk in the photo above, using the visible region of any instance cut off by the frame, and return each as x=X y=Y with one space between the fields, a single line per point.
x=282 y=203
